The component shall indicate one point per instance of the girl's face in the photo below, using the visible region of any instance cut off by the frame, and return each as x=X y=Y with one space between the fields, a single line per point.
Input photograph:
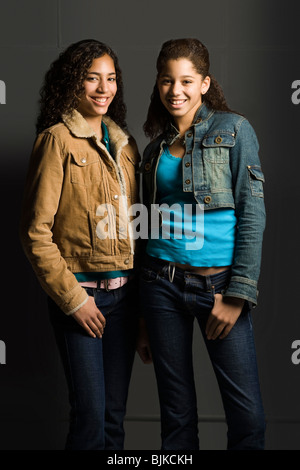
x=100 y=88
x=180 y=88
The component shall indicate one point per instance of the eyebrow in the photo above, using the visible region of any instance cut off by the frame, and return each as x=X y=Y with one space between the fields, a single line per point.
x=182 y=76
x=96 y=73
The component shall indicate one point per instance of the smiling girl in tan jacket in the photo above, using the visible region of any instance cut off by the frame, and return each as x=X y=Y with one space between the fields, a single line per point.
x=81 y=172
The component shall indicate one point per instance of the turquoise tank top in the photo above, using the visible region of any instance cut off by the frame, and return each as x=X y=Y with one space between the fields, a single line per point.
x=189 y=235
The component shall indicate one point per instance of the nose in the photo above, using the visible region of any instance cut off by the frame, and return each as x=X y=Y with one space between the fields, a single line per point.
x=175 y=89
x=102 y=86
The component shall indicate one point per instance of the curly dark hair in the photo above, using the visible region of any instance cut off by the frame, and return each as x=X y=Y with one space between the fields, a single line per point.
x=63 y=84
x=192 y=49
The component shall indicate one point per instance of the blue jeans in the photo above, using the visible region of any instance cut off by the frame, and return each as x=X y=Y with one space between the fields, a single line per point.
x=98 y=370
x=169 y=309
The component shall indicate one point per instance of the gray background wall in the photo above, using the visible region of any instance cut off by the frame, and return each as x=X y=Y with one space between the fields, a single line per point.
x=254 y=47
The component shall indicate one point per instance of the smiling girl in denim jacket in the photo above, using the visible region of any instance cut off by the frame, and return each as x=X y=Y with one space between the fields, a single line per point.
x=202 y=182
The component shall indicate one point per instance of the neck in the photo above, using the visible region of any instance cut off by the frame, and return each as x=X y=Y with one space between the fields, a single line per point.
x=183 y=125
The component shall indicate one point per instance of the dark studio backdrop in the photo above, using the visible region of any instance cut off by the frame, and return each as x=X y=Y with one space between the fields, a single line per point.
x=255 y=49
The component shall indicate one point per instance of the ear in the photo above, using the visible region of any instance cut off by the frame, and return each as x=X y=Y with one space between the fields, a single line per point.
x=205 y=85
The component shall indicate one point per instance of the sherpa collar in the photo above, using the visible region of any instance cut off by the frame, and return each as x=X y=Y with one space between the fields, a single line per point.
x=79 y=127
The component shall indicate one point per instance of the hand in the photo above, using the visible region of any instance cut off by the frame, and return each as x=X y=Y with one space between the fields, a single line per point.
x=223 y=316
x=90 y=318
x=143 y=346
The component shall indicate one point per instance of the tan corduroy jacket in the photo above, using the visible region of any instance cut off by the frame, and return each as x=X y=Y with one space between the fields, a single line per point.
x=75 y=211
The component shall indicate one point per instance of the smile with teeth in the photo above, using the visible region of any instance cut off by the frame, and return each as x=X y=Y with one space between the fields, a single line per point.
x=177 y=102
x=100 y=100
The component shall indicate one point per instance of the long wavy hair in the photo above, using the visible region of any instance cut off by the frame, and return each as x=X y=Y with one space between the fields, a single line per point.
x=192 y=49
x=63 y=84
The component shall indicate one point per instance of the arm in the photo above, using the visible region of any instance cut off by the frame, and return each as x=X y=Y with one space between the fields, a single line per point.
x=250 y=212
x=40 y=204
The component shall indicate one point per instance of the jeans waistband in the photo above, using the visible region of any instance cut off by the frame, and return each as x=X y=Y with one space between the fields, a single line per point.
x=107 y=284
x=171 y=272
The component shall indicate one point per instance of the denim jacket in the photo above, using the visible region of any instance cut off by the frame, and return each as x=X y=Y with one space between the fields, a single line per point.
x=221 y=167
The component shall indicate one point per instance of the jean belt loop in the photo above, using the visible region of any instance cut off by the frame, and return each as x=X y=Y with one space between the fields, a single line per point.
x=208 y=283
x=98 y=285
x=171 y=267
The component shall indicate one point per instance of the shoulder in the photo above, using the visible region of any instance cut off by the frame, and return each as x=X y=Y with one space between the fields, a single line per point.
x=232 y=122
x=58 y=130
x=56 y=138
x=152 y=147
x=229 y=118
x=131 y=149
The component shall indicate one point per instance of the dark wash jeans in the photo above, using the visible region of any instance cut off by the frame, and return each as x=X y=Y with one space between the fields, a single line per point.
x=169 y=309
x=98 y=370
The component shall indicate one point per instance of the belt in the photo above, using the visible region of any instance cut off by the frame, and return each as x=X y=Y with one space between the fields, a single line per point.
x=108 y=284
x=169 y=271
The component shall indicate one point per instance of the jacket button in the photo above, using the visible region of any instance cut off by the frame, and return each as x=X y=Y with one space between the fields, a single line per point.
x=198 y=120
x=188 y=181
x=83 y=160
x=116 y=196
x=207 y=199
x=126 y=261
x=147 y=166
x=218 y=139
x=187 y=164
x=190 y=134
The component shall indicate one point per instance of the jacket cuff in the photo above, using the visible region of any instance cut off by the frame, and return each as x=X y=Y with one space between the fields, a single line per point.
x=242 y=288
x=78 y=299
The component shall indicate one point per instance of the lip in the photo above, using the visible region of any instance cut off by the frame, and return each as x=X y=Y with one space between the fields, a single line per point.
x=176 y=103
x=103 y=102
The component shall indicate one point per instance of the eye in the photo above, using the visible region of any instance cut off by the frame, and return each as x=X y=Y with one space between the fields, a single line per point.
x=112 y=79
x=165 y=81
x=187 y=82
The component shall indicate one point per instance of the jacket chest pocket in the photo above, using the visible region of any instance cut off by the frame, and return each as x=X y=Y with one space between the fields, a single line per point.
x=216 y=152
x=85 y=170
